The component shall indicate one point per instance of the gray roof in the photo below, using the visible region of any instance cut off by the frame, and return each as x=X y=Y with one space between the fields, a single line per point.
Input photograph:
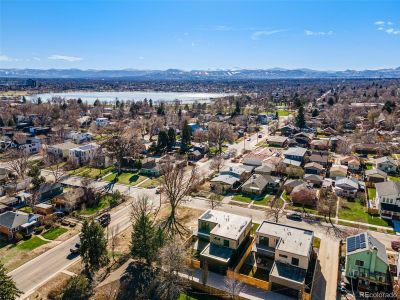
x=386 y=159
x=370 y=244
x=256 y=181
x=375 y=171
x=387 y=188
x=314 y=165
x=64 y=146
x=228 y=179
x=347 y=181
x=264 y=169
x=11 y=219
x=296 y=163
x=297 y=151
x=277 y=139
x=312 y=177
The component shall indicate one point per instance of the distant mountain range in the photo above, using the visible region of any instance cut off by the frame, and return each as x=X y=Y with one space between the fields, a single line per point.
x=174 y=74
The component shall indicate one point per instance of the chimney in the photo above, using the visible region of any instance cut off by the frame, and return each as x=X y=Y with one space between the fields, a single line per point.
x=373 y=259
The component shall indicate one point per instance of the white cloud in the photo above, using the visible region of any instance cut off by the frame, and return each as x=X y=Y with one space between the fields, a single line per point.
x=321 y=33
x=392 y=31
x=256 y=35
x=389 y=23
x=379 y=23
x=36 y=58
x=64 y=57
x=5 y=58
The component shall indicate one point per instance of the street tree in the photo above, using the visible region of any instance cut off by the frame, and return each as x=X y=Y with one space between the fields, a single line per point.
x=146 y=239
x=300 y=118
x=171 y=137
x=326 y=204
x=218 y=133
x=93 y=248
x=162 y=141
x=18 y=161
x=233 y=287
x=37 y=178
x=214 y=200
x=186 y=136
x=217 y=163
x=8 y=288
x=275 y=210
x=54 y=164
x=173 y=261
x=177 y=184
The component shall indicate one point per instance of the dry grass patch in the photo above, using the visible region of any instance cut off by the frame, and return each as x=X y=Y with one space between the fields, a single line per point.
x=54 y=285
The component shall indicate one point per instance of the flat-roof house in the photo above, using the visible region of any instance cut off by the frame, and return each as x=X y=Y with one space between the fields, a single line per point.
x=291 y=249
x=62 y=149
x=388 y=199
x=227 y=235
x=387 y=164
x=367 y=261
x=84 y=153
x=236 y=171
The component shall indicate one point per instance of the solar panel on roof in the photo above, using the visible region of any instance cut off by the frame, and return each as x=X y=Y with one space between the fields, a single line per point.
x=363 y=245
x=351 y=244
x=362 y=237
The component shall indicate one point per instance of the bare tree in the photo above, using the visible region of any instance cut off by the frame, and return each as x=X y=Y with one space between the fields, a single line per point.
x=54 y=164
x=123 y=143
x=218 y=133
x=233 y=287
x=214 y=200
x=112 y=234
x=217 y=163
x=326 y=204
x=173 y=263
x=275 y=210
x=18 y=161
x=176 y=184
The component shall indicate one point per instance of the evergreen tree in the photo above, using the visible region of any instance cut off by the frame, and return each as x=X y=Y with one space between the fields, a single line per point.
x=8 y=289
x=147 y=237
x=186 y=136
x=237 y=108
x=300 y=119
x=77 y=288
x=79 y=101
x=162 y=141
x=93 y=246
x=96 y=102
x=151 y=103
x=331 y=101
x=315 y=112
x=180 y=113
x=171 y=137
x=23 y=99
x=161 y=109
x=37 y=179
x=39 y=101
x=277 y=115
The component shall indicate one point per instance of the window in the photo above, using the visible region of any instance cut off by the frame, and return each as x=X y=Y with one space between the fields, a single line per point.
x=359 y=263
x=295 y=261
x=226 y=243
x=281 y=255
x=264 y=241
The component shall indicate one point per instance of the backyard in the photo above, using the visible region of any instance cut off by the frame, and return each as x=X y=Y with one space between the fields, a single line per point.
x=103 y=203
x=394 y=178
x=299 y=208
x=356 y=211
x=371 y=193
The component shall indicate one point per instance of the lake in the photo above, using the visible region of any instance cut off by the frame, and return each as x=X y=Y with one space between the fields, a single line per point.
x=90 y=97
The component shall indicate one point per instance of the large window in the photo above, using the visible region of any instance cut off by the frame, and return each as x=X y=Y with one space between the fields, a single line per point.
x=226 y=243
x=359 y=263
x=295 y=261
x=264 y=241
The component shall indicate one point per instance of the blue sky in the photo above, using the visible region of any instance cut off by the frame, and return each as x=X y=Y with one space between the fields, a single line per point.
x=113 y=34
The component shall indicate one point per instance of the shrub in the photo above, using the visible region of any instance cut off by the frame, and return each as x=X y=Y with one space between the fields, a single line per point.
x=39 y=229
x=18 y=236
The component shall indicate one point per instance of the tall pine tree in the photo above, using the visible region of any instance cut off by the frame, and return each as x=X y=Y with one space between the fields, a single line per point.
x=8 y=289
x=300 y=119
x=186 y=136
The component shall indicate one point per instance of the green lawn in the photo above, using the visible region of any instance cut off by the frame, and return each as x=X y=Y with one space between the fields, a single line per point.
x=285 y=196
x=31 y=244
x=90 y=172
x=369 y=166
x=104 y=203
x=54 y=233
x=26 y=209
x=299 y=208
x=254 y=227
x=261 y=200
x=152 y=182
x=316 y=242
x=57 y=166
x=394 y=178
x=283 y=112
x=127 y=178
x=371 y=193
x=356 y=211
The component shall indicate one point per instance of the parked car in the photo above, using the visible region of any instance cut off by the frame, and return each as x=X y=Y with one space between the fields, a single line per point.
x=395 y=245
x=75 y=249
x=260 y=136
x=104 y=220
x=294 y=216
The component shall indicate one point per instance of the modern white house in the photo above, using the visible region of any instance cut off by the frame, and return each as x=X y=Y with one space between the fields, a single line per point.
x=226 y=235
x=83 y=153
x=386 y=164
x=388 y=199
x=290 y=249
x=61 y=149
x=102 y=121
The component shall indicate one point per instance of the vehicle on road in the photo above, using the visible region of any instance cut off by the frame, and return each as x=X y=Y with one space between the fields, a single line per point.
x=249 y=139
x=260 y=136
x=75 y=249
x=294 y=216
x=104 y=220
